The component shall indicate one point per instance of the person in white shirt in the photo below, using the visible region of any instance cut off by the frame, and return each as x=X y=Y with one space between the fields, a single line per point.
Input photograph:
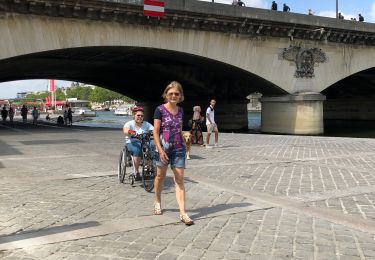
x=136 y=126
x=211 y=124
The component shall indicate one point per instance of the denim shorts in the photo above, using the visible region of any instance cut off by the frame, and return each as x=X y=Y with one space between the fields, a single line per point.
x=135 y=148
x=176 y=160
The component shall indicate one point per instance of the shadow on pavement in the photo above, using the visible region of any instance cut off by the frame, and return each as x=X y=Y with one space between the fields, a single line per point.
x=203 y=212
x=60 y=141
x=7 y=149
x=46 y=231
x=196 y=157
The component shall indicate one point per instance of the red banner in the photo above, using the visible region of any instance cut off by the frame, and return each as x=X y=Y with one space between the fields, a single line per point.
x=51 y=86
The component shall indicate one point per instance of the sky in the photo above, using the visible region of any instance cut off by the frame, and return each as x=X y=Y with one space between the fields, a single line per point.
x=348 y=8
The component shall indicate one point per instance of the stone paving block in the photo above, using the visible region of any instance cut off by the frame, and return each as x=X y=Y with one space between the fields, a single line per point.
x=167 y=256
x=214 y=255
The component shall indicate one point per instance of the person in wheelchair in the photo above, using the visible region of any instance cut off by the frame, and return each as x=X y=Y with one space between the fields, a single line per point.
x=131 y=128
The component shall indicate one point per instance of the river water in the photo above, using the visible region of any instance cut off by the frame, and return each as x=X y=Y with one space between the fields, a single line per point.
x=362 y=129
x=109 y=120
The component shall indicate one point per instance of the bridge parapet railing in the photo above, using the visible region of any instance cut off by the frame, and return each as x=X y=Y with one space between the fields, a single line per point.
x=134 y=2
x=207 y=16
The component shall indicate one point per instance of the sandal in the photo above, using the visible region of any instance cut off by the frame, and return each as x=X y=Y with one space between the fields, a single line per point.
x=157 y=209
x=186 y=220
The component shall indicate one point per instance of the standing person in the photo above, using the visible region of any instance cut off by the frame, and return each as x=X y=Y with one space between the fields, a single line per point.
x=136 y=126
x=65 y=116
x=310 y=12
x=196 y=126
x=170 y=147
x=240 y=3
x=211 y=124
x=4 y=114
x=11 y=114
x=24 y=114
x=35 y=114
x=286 y=8
x=274 y=6
x=361 y=18
x=70 y=116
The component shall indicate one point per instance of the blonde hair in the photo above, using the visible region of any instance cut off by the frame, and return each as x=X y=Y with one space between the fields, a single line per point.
x=176 y=85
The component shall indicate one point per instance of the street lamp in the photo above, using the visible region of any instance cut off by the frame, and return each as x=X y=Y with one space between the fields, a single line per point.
x=337 y=8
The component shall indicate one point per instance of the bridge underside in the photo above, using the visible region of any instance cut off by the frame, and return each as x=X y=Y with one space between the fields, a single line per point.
x=139 y=73
x=360 y=85
x=352 y=98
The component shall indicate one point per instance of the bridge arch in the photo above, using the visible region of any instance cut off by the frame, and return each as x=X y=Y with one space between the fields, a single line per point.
x=32 y=34
x=249 y=40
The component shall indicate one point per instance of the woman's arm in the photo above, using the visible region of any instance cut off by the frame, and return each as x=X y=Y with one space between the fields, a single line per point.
x=126 y=130
x=156 y=133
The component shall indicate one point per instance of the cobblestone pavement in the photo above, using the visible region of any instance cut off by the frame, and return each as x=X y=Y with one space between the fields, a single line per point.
x=255 y=197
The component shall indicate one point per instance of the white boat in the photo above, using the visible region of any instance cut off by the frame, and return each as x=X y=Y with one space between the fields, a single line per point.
x=83 y=111
x=124 y=110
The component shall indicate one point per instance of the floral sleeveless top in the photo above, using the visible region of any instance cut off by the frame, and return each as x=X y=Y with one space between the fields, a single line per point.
x=170 y=129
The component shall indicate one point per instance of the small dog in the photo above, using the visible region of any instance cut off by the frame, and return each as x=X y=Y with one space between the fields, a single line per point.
x=187 y=139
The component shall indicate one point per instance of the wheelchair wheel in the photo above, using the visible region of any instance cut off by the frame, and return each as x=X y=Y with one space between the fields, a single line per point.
x=148 y=173
x=123 y=164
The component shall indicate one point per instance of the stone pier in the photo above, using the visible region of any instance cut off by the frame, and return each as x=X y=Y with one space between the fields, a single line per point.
x=293 y=114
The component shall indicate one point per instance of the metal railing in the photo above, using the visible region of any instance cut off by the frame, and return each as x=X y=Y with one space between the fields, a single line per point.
x=134 y=2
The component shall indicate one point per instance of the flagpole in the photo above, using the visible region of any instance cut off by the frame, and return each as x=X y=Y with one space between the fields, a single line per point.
x=337 y=8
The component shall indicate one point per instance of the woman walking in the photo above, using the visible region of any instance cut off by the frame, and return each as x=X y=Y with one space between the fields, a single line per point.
x=170 y=148
x=196 y=126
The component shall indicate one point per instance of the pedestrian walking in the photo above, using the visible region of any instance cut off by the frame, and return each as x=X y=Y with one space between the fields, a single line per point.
x=211 y=124
x=24 y=114
x=274 y=6
x=361 y=18
x=286 y=8
x=4 y=114
x=35 y=114
x=70 y=116
x=196 y=126
x=170 y=147
x=65 y=116
x=11 y=114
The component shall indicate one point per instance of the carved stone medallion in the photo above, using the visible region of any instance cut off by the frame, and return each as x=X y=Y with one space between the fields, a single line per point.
x=305 y=59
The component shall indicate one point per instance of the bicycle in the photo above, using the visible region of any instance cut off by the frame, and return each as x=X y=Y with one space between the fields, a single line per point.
x=148 y=166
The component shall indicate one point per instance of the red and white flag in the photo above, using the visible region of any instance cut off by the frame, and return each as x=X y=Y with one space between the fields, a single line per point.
x=153 y=8
x=51 y=86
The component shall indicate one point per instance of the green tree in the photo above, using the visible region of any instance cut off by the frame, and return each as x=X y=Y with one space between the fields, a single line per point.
x=79 y=92
x=35 y=96
x=60 y=95
x=101 y=95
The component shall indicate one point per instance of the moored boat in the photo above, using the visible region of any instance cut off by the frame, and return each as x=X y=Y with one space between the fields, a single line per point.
x=83 y=111
x=124 y=110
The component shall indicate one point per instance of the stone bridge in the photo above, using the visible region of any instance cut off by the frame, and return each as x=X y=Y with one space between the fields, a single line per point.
x=216 y=51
